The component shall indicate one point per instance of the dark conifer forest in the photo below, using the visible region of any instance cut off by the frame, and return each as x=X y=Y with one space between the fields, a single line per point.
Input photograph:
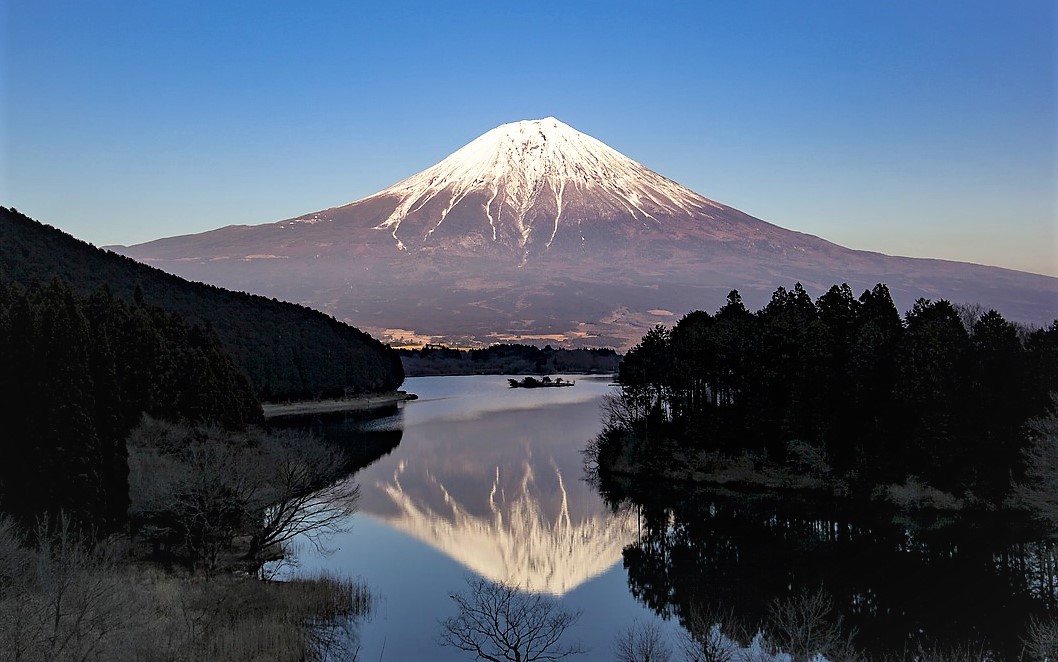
x=78 y=375
x=90 y=342
x=842 y=388
x=286 y=350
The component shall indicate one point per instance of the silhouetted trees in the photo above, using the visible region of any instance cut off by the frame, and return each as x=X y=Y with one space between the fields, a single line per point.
x=500 y=622
x=78 y=375
x=642 y=642
x=846 y=381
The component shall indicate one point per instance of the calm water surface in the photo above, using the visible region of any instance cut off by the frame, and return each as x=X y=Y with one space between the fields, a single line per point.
x=486 y=481
x=481 y=480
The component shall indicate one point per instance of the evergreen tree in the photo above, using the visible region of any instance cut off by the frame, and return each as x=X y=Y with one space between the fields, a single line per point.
x=831 y=379
x=932 y=367
x=998 y=402
x=872 y=366
x=694 y=368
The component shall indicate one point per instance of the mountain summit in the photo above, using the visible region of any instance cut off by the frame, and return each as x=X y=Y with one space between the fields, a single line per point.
x=536 y=182
x=527 y=190
x=536 y=231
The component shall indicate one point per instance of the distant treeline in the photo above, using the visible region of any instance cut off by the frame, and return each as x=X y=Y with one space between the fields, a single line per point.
x=507 y=360
x=842 y=387
x=78 y=374
x=286 y=350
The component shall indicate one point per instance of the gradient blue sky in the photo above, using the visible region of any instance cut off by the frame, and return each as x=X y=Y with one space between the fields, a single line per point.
x=913 y=128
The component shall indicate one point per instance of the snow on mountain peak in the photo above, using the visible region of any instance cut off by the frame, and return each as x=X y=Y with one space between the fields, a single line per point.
x=528 y=176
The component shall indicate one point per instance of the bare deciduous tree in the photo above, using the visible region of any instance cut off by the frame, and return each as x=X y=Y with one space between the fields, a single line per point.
x=199 y=489
x=1039 y=492
x=67 y=605
x=500 y=622
x=806 y=625
x=713 y=635
x=969 y=314
x=298 y=493
x=1041 y=640
x=642 y=643
x=622 y=412
x=68 y=599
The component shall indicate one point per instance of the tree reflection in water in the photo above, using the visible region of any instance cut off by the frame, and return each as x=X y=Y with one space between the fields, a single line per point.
x=901 y=584
x=501 y=622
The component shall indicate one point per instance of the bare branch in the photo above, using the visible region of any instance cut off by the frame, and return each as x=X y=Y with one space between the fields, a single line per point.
x=499 y=622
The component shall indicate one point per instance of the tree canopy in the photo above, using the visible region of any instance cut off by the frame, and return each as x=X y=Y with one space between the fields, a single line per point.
x=942 y=393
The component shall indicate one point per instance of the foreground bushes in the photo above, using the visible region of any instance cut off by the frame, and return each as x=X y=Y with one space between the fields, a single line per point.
x=65 y=599
x=197 y=491
x=201 y=498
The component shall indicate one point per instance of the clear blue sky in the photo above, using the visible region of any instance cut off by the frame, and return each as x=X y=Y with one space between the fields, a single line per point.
x=915 y=128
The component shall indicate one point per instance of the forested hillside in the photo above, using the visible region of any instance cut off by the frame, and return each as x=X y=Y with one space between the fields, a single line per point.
x=78 y=374
x=287 y=351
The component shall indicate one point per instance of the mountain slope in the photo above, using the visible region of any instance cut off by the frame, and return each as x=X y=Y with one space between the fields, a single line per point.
x=287 y=351
x=537 y=230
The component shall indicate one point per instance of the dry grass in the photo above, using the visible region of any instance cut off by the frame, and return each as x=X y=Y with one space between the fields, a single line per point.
x=67 y=601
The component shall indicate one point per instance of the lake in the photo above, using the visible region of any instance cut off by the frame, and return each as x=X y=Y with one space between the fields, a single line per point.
x=480 y=480
x=486 y=481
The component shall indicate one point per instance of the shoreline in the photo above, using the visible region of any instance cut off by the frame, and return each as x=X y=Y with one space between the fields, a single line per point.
x=488 y=372
x=335 y=405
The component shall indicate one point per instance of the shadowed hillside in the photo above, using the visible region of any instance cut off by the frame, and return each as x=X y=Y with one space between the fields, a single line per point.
x=287 y=351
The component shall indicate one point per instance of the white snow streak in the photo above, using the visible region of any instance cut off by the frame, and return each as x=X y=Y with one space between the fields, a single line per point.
x=488 y=212
x=558 y=210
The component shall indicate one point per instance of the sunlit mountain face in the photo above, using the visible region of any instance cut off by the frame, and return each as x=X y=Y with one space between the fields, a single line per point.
x=501 y=491
x=535 y=230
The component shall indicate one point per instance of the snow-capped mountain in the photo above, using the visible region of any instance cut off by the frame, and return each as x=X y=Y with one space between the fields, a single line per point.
x=537 y=231
x=533 y=179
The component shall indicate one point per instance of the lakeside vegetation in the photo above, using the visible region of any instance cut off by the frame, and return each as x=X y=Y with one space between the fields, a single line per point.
x=508 y=359
x=945 y=407
x=827 y=453
x=141 y=498
x=145 y=498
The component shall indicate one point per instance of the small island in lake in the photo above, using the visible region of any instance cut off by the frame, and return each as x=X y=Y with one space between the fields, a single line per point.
x=545 y=382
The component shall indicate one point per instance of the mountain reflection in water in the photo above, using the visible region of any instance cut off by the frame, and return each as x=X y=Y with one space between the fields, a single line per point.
x=492 y=478
x=522 y=528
